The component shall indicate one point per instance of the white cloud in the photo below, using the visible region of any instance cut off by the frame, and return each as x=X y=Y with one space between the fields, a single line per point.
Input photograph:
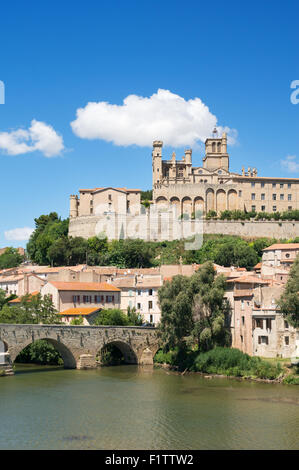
x=18 y=233
x=139 y=120
x=290 y=164
x=40 y=136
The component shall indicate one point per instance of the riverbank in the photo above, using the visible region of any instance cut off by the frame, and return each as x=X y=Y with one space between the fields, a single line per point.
x=281 y=380
x=229 y=363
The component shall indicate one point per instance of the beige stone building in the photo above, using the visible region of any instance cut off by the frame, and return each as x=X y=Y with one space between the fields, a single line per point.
x=278 y=259
x=212 y=186
x=187 y=189
x=66 y=295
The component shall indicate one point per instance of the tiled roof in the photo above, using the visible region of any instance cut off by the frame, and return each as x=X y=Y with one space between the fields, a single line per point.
x=84 y=286
x=18 y=299
x=118 y=189
x=79 y=311
x=249 y=280
x=282 y=246
x=13 y=278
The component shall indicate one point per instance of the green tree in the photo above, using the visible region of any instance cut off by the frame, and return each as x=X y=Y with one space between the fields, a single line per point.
x=194 y=310
x=111 y=316
x=30 y=310
x=48 y=229
x=134 y=318
x=10 y=258
x=289 y=300
x=77 y=321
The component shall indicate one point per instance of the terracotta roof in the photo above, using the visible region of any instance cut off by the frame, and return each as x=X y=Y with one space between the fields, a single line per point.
x=18 y=299
x=124 y=282
x=109 y=187
x=249 y=280
x=15 y=277
x=84 y=286
x=258 y=266
x=283 y=246
x=79 y=311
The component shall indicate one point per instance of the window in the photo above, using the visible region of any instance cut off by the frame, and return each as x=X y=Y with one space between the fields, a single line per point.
x=241 y=338
x=97 y=299
x=242 y=304
x=91 y=210
x=150 y=292
x=289 y=197
x=286 y=324
x=150 y=304
x=263 y=340
x=253 y=196
x=243 y=320
x=287 y=255
x=263 y=197
x=91 y=202
x=289 y=208
x=281 y=185
x=282 y=197
x=274 y=208
x=109 y=197
x=138 y=306
x=252 y=185
x=138 y=292
x=253 y=208
x=262 y=185
x=76 y=299
x=240 y=193
x=274 y=197
x=259 y=323
x=151 y=318
x=86 y=299
x=109 y=299
x=268 y=323
x=273 y=185
x=263 y=208
x=289 y=185
x=286 y=340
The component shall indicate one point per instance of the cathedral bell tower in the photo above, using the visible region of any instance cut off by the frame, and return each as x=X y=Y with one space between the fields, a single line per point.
x=216 y=152
x=157 y=162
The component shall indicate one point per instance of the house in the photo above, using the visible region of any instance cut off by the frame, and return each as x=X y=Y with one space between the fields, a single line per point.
x=88 y=314
x=67 y=295
x=277 y=257
x=141 y=292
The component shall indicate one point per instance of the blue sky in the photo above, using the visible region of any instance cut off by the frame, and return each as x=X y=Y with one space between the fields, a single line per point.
x=57 y=56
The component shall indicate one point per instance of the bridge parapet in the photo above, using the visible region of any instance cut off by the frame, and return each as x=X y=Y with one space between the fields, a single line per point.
x=79 y=345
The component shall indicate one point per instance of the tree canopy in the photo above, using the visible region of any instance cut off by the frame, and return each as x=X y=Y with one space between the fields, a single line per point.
x=193 y=309
x=10 y=258
x=30 y=310
x=289 y=300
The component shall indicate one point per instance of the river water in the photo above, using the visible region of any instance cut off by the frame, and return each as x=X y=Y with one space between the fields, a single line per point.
x=128 y=407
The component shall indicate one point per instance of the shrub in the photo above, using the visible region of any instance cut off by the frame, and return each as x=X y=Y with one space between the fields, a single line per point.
x=234 y=362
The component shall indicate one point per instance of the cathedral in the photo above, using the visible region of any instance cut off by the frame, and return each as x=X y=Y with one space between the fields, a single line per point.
x=212 y=187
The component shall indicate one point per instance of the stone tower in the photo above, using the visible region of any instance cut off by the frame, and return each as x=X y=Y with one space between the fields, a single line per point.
x=216 y=153
x=157 y=162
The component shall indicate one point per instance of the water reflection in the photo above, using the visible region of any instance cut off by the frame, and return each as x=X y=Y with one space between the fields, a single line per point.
x=130 y=407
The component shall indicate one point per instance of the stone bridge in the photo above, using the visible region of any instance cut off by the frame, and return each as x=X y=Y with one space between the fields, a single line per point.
x=79 y=345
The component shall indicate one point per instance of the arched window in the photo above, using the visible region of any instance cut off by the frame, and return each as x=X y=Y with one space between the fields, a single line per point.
x=214 y=147
x=219 y=147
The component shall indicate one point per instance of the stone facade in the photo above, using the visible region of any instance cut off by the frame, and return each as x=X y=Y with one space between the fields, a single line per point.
x=180 y=187
x=80 y=345
x=212 y=186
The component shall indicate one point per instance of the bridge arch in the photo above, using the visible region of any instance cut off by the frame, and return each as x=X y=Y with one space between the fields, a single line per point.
x=128 y=352
x=65 y=352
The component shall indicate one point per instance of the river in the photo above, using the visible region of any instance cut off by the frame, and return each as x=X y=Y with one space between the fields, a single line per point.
x=128 y=407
